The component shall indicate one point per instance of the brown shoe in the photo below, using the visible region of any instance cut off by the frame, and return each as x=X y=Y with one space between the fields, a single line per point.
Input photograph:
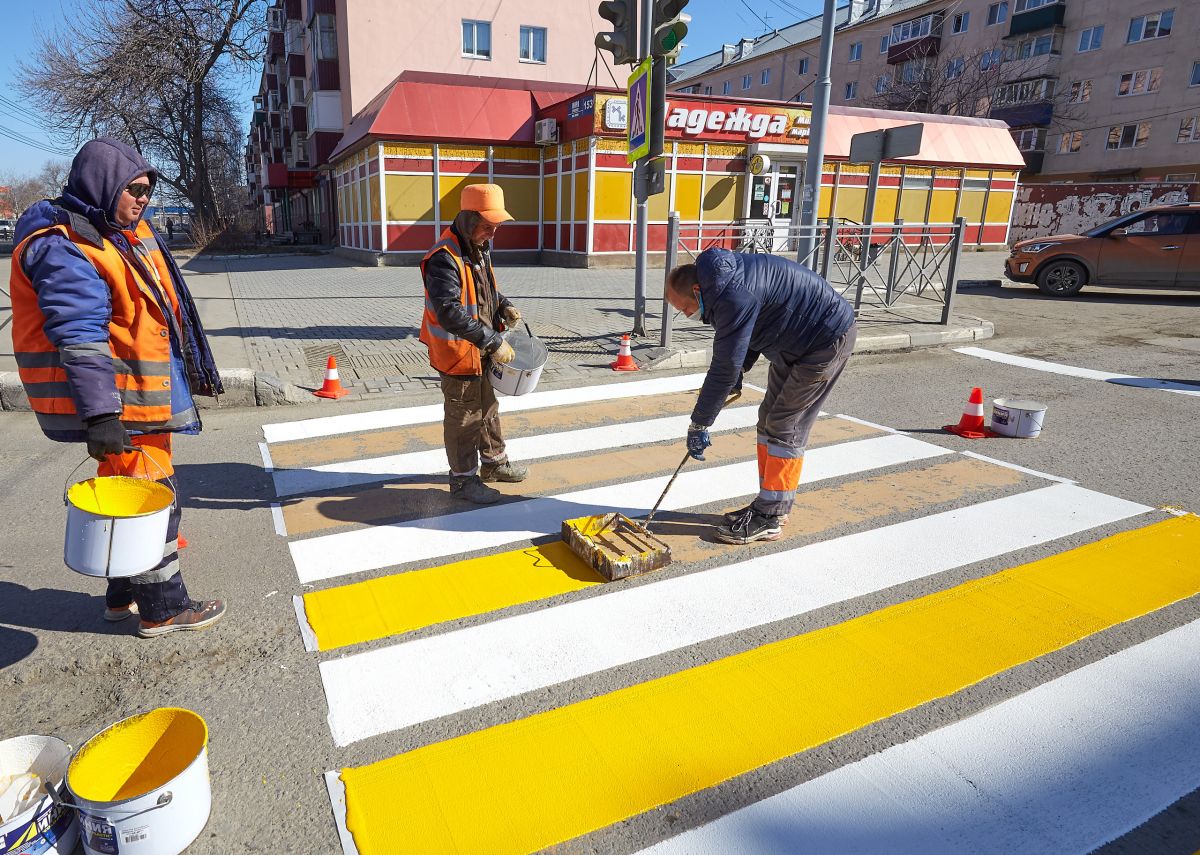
x=199 y=615
x=506 y=471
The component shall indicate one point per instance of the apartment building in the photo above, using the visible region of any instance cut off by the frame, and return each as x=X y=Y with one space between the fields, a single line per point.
x=325 y=62
x=1102 y=90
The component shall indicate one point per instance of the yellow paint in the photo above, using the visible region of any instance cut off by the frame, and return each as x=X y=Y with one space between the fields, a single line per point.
x=449 y=188
x=999 y=206
x=538 y=781
x=137 y=755
x=722 y=197
x=119 y=496
x=520 y=197
x=408 y=150
x=409 y=197
x=614 y=192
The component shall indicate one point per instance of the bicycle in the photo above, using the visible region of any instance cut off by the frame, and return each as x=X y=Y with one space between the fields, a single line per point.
x=757 y=239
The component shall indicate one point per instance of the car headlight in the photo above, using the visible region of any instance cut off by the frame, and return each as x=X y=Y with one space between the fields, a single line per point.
x=1039 y=247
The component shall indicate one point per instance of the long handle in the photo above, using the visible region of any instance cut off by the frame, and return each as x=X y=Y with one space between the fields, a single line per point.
x=666 y=489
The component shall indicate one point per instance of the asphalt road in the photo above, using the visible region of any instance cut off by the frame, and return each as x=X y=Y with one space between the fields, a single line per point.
x=67 y=673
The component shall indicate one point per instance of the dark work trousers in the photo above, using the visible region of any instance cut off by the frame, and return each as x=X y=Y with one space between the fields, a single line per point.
x=472 y=423
x=796 y=389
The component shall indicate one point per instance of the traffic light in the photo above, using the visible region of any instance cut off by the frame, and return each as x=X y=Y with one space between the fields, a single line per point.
x=669 y=27
x=623 y=40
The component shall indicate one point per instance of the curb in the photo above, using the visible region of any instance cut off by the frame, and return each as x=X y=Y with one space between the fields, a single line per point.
x=664 y=358
x=980 y=283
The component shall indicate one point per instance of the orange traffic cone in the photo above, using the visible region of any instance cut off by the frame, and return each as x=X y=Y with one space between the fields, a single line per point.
x=970 y=426
x=333 y=386
x=624 y=357
x=181 y=542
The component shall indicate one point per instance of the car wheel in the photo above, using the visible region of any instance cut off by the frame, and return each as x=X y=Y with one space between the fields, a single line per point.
x=1061 y=278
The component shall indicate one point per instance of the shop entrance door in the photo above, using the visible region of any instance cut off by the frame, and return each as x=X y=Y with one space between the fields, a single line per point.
x=787 y=211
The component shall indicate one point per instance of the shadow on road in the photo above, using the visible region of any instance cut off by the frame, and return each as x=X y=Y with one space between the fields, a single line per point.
x=50 y=609
x=223 y=487
x=333 y=333
x=1016 y=291
x=15 y=645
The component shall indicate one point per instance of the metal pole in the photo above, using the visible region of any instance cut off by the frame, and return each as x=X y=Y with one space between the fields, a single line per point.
x=864 y=250
x=960 y=234
x=668 y=311
x=814 y=167
x=640 y=188
x=897 y=244
x=830 y=247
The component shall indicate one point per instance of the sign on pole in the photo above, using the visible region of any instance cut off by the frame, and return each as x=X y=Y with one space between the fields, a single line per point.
x=886 y=144
x=639 y=112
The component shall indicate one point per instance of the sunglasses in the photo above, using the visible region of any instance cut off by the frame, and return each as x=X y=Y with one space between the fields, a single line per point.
x=139 y=190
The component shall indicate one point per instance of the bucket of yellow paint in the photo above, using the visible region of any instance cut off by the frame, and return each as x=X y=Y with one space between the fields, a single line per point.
x=141 y=786
x=47 y=827
x=116 y=525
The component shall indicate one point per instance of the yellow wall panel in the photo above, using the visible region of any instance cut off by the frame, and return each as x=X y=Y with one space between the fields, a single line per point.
x=525 y=155
x=851 y=202
x=825 y=203
x=614 y=191
x=999 y=207
x=462 y=152
x=979 y=173
x=687 y=196
x=520 y=198
x=410 y=197
x=373 y=192
x=913 y=204
x=581 y=196
x=885 y=204
x=971 y=206
x=612 y=146
x=550 y=199
x=449 y=188
x=659 y=207
x=720 y=150
x=722 y=197
x=408 y=149
x=941 y=209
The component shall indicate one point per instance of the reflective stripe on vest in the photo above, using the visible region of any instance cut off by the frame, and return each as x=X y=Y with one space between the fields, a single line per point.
x=449 y=353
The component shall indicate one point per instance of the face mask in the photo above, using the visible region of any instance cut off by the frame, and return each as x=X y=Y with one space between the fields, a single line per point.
x=700 y=300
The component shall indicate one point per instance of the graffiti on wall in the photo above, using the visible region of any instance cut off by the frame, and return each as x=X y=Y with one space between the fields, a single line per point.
x=1049 y=209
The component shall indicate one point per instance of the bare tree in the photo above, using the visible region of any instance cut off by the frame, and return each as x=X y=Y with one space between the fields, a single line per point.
x=156 y=73
x=18 y=192
x=53 y=177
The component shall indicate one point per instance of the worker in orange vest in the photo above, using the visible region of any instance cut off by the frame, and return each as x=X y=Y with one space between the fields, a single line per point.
x=110 y=349
x=464 y=316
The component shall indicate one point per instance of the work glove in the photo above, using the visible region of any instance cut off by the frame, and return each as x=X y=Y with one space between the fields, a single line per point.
x=698 y=440
x=106 y=435
x=504 y=353
x=510 y=315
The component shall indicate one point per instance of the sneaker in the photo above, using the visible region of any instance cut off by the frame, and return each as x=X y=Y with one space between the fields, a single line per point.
x=198 y=615
x=120 y=613
x=471 y=489
x=506 y=471
x=751 y=526
x=733 y=516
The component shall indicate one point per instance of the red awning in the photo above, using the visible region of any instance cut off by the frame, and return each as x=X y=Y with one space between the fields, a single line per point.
x=946 y=140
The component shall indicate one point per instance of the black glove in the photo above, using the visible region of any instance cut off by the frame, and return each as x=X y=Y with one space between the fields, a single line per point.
x=698 y=440
x=106 y=435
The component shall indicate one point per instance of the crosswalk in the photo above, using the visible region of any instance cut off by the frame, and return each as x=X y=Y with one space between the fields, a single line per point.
x=547 y=706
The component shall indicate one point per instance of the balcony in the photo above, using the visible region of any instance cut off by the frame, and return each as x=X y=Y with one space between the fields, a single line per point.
x=325 y=76
x=274 y=46
x=1036 y=114
x=914 y=39
x=320 y=7
x=277 y=176
x=300 y=119
x=291 y=10
x=295 y=65
x=1041 y=18
x=1033 y=161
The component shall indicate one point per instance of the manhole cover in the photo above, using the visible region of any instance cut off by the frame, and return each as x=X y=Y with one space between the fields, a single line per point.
x=316 y=356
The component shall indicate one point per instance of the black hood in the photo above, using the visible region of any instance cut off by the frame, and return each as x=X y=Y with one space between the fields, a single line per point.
x=100 y=171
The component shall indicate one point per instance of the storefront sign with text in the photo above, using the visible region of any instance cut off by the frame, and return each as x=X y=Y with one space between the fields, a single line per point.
x=716 y=122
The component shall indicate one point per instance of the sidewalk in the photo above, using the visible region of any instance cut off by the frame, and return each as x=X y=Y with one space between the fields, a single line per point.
x=274 y=320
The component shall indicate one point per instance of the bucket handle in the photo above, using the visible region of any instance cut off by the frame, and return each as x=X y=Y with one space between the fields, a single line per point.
x=57 y=797
x=144 y=453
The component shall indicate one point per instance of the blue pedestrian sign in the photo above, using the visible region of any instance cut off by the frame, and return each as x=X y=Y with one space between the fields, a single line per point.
x=639 y=112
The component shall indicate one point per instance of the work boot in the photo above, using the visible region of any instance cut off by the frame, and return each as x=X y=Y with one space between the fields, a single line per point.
x=198 y=615
x=750 y=527
x=505 y=471
x=470 y=488
x=733 y=516
x=120 y=613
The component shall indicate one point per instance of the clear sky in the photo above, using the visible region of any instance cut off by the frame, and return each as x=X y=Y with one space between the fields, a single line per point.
x=714 y=22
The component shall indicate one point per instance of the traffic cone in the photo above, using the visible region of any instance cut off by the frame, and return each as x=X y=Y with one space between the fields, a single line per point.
x=333 y=386
x=624 y=357
x=181 y=542
x=970 y=426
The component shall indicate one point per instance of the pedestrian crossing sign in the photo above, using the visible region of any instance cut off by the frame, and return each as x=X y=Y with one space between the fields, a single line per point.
x=639 y=112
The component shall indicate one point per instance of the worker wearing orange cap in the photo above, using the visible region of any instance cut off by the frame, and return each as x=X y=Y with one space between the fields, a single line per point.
x=464 y=316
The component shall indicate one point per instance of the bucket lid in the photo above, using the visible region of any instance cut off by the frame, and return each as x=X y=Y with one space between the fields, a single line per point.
x=1019 y=404
x=530 y=352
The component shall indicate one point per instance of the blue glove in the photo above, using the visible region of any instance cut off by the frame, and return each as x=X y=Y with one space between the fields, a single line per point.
x=698 y=440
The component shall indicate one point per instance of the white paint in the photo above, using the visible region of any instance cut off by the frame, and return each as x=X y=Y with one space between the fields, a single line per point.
x=1017 y=468
x=306 y=631
x=1063 y=768
x=379 y=419
x=350 y=473
x=337 y=800
x=884 y=428
x=373 y=547
x=1074 y=371
x=405 y=684
x=268 y=466
x=277 y=517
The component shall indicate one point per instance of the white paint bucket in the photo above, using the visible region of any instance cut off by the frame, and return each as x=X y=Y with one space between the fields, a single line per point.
x=47 y=828
x=1020 y=419
x=116 y=526
x=142 y=785
x=522 y=374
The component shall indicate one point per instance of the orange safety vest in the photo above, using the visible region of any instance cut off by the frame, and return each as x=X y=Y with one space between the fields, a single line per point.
x=449 y=353
x=139 y=336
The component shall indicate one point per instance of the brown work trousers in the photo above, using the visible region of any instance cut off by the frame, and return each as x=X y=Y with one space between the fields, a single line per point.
x=471 y=426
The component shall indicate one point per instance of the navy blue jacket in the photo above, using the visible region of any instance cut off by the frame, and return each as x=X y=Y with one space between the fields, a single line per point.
x=761 y=304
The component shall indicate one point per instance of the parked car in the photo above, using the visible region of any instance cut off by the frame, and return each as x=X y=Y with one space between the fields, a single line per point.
x=1158 y=247
x=7 y=228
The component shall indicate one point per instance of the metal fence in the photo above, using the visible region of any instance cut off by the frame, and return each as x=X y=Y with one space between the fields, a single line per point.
x=881 y=267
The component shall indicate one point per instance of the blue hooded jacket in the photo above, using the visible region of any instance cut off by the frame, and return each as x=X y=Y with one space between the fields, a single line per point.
x=761 y=304
x=75 y=300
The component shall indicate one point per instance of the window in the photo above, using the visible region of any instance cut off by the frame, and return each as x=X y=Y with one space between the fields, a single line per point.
x=1183 y=178
x=275 y=19
x=1128 y=136
x=991 y=59
x=726 y=87
x=1027 y=5
x=852 y=90
x=1070 y=142
x=1139 y=82
x=1040 y=46
x=707 y=90
x=856 y=51
x=747 y=79
x=297 y=86
x=1080 y=92
x=1195 y=81
x=954 y=68
x=803 y=67
x=960 y=23
x=1159 y=224
x=916 y=181
x=765 y=77
x=1189 y=130
x=1030 y=139
x=1156 y=26
x=917 y=29
x=1025 y=92
x=1091 y=39
x=883 y=44
x=326 y=37
x=978 y=185
x=533 y=44
x=273 y=101
x=997 y=13
x=882 y=84
x=477 y=39
x=916 y=70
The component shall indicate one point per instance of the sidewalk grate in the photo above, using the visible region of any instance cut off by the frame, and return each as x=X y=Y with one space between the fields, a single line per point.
x=317 y=355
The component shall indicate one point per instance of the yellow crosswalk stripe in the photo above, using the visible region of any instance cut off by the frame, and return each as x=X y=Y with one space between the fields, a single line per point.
x=403 y=602
x=535 y=782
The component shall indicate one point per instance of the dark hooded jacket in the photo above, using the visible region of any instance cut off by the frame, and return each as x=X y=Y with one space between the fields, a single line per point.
x=75 y=300
x=761 y=304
